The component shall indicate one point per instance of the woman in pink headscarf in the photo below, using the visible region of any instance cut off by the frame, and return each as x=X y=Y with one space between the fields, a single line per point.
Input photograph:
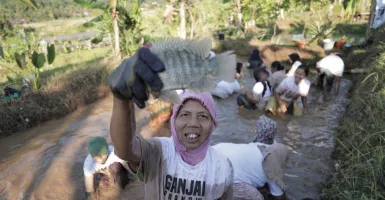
x=183 y=166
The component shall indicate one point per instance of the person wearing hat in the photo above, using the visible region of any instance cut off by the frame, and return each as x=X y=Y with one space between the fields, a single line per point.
x=262 y=162
x=102 y=160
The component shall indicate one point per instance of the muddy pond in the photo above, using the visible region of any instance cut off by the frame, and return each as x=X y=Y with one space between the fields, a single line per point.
x=46 y=162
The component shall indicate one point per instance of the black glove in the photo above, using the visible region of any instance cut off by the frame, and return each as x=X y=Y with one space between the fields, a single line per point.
x=128 y=81
x=88 y=195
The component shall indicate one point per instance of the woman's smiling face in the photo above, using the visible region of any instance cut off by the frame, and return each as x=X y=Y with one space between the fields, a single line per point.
x=193 y=124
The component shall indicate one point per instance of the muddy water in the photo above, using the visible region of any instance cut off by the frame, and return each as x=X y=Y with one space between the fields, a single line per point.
x=46 y=162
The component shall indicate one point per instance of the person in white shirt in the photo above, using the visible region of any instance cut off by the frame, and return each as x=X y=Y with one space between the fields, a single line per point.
x=296 y=62
x=102 y=160
x=183 y=166
x=260 y=94
x=224 y=89
x=262 y=162
x=277 y=75
x=331 y=67
x=287 y=93
x=211 y=55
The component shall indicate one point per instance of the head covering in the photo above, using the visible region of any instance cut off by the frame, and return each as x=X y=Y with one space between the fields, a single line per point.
x=266 y=130
x=98 y=146
x=294 y=57
x=193 y=157
x=255 y=56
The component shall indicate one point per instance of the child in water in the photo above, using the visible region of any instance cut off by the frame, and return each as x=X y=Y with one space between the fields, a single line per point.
x=260 y=94
x=103 y=161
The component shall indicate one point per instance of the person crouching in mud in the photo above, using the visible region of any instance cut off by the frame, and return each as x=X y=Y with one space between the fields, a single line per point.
x=183 y=166
x=287 y=93
x=225 y=89
x=262 y=162
x=255 y=60
x=277 y=76
x=103 y=161
x=330 y=68
x=261 y=93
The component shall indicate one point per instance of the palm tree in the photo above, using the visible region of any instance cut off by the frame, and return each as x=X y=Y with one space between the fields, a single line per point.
x=114 y=16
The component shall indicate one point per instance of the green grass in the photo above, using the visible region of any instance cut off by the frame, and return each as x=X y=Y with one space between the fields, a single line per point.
x=62 y=26
x=63 y=63
x=360 y=141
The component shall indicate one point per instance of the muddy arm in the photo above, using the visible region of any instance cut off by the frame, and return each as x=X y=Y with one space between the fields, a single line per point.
x=123 y=129
x=89 y=182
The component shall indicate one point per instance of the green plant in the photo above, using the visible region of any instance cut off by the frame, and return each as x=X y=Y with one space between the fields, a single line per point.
x=320 y=30
x=263 y=12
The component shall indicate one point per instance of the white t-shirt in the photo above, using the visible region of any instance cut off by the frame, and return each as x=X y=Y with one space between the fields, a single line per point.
x=333 y=63
x=91 y=167
x=211 y=55
x=257 y=94
x=210 y=178
x=288 y=89
x=248 y=167
x=293 y=68
x=225 y=89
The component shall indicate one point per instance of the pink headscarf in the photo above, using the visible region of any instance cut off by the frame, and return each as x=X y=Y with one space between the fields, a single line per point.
x=193 y=157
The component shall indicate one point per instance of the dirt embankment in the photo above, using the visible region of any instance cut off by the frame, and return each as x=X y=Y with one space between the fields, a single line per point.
x=61 y=95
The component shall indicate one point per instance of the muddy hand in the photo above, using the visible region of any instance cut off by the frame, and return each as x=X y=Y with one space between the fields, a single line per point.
x=128 y=81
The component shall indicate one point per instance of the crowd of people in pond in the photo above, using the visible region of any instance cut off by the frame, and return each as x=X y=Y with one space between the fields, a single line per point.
x=184 y=165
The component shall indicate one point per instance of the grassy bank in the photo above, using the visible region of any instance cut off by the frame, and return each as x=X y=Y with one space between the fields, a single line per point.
x=359 y=158
x=78 y=79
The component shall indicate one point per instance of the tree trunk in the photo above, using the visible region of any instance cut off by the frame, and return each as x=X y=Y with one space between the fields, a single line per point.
x=371 y=19
x=192 y=22
x=182 y=27
x=239 y=15
x=114 y=17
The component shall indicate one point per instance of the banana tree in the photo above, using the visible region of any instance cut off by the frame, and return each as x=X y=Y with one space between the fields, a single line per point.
x=114 y=18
